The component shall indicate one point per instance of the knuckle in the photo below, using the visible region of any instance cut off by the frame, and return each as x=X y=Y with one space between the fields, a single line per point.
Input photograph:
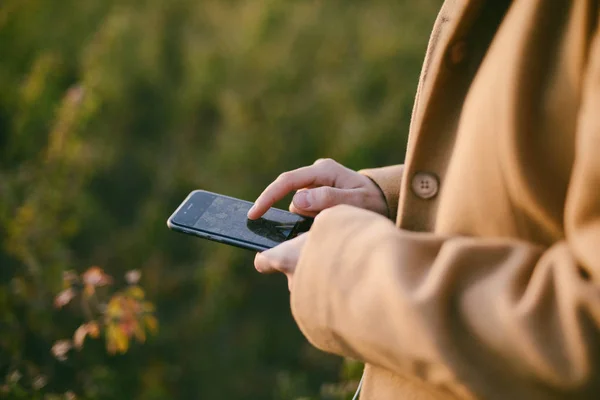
x=284 y=181
x=328 y=162
x=325 y=195
x=283 y=177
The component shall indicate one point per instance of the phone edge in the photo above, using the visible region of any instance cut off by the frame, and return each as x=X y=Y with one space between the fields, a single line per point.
x=216 y=238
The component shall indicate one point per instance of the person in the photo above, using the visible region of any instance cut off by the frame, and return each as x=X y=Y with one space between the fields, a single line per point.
x=488 y=284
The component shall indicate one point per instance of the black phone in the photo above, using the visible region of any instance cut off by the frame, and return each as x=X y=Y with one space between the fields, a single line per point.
x=224 y=219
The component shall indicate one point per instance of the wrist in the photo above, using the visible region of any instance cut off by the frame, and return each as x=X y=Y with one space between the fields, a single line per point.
x=377 y=201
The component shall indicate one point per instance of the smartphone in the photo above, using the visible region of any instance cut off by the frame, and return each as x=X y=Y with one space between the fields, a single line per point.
x=223 y=219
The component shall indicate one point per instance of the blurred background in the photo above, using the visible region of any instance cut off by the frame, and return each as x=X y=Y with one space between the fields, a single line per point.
x=111 y=112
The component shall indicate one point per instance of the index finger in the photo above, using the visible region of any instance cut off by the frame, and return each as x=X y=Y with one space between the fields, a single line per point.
x=314 y=175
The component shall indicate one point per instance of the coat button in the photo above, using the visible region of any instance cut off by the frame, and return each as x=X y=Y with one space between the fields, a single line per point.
x=425 y=185
x=457 y=53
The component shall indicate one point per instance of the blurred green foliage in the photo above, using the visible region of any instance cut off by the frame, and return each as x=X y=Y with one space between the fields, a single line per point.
x=112 y=111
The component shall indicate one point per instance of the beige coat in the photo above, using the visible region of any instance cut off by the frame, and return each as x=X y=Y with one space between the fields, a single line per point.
x=488 y=286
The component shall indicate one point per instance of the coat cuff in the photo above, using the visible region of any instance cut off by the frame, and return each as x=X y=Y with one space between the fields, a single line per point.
x=326 y=269
x=388 y=179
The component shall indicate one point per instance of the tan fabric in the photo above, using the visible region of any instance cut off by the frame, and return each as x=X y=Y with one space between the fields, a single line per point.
x=491 y=289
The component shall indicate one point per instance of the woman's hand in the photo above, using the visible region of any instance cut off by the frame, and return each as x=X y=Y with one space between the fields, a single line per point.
x=322 y=185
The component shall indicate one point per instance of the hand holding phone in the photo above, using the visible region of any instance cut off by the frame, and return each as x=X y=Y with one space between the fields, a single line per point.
x=323 y=185
x=224 y=219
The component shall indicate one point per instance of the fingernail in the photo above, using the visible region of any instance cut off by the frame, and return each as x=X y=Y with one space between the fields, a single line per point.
x=302 y=199
x=251 y=210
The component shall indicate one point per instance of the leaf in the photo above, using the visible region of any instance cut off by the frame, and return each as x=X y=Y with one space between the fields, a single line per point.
x=64 y=297
x=128 y=325
x=147 y=307
x=70 y=277
x=133 y=277
x=122 y=341
x=139 y=333
x=89 y=290
x=61 y=348
x=79 y=336
x=117 y=341
x=111 y=346
x=90 y=328
x=136 y=292
x=14 y=376
x=114 y=309
x=151 y=323
x=70 y=395
x=93 y=329
x=39 y=382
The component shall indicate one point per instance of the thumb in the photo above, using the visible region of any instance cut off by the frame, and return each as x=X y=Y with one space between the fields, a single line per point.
x=321 y=198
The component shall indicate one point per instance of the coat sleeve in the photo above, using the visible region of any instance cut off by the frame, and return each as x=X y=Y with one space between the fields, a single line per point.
x=388 y=179
x=499 y=315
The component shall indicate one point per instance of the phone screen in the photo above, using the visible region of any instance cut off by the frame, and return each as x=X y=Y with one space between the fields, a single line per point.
x=227 y=217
